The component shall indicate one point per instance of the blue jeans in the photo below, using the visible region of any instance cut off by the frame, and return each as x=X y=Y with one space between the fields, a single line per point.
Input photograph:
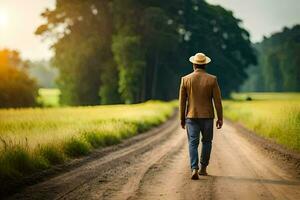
x=194 y=126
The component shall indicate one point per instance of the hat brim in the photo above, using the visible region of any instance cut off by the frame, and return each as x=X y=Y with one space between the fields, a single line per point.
x=206 y=61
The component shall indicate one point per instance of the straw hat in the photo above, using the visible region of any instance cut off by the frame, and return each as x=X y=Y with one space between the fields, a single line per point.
x=200 y=59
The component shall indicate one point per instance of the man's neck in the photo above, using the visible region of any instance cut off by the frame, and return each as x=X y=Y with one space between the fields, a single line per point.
x=199 y=70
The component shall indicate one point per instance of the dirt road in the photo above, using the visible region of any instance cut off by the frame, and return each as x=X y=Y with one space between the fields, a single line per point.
x=155 y=166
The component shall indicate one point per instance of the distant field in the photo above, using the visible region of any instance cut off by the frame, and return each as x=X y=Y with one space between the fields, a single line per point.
x=48 y=97
x=267 y=96
x=35 y=139
x=275 y=116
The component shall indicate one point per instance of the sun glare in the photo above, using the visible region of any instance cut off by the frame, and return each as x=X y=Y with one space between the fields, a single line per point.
x=3 y=19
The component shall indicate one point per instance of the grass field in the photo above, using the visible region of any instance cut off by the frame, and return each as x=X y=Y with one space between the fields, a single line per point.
x=48 y=97
x=34 y=139
x=275 y=116
x=266 y=96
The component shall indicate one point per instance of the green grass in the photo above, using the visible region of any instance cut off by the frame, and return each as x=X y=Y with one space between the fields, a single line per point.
x=48 y=97
x=34 y=139
x=274 y=116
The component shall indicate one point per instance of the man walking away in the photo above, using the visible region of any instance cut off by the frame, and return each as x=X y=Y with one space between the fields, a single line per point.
x=197 y=91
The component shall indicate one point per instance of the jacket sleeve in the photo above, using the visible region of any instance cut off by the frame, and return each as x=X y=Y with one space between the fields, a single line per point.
x=217 y=99
x=182 y=100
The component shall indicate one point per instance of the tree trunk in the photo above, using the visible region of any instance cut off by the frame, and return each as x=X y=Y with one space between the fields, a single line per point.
x=154 y=81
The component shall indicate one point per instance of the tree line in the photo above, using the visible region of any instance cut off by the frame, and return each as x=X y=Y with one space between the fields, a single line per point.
x=17 y=89
x=129 y=51
x=278 y=63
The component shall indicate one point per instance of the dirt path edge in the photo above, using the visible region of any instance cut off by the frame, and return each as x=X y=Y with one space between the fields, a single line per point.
x=288 y=159
x=9 y=188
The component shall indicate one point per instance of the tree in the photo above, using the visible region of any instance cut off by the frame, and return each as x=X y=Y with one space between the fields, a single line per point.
x=161 y=40
x=109 y=88
x=135 y=50
x=129 y=57
x=278 y=63
x=17 y=89
x=215 y=31
x=82 y=48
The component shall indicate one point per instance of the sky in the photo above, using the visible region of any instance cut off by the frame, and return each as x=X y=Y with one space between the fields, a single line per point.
x=20 y=18
x=18 y=22
x=263 y=17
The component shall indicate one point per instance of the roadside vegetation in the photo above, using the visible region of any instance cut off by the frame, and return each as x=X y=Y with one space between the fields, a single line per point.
x=34 y=139
x=274 y=116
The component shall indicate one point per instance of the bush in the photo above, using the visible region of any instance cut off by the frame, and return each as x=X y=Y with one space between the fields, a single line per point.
x=17 y=89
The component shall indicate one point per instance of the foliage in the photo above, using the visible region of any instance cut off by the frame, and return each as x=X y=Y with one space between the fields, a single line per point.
x=17 y=89
x=278 y=66
x=109 y=89
x=115 y=51
x=273 y=116
x=34 y=139
x=129 y=57
x=215 y=31
x=82 y=30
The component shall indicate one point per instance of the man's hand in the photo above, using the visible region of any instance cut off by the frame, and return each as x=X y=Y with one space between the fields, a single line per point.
x=219 y=123
x=182 y=124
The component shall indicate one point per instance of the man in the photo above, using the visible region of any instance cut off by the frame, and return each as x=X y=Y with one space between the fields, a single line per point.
x=197 y=91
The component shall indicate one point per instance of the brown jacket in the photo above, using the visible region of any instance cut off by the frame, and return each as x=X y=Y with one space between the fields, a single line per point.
x=197 y=91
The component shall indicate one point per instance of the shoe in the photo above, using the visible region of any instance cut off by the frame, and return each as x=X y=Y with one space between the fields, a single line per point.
x=203 y=171
x=195 y=175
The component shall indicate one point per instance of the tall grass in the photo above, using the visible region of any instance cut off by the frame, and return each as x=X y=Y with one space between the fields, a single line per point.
x=34 y=139
x=278 y=119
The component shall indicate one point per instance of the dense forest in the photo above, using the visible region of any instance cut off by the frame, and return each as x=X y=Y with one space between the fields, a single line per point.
x=278 y=66
x=128 y=51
